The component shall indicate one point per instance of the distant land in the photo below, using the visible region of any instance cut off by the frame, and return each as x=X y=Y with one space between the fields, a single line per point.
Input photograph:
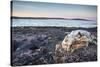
x=80 y=19
x=14 y=17
x=36 y=18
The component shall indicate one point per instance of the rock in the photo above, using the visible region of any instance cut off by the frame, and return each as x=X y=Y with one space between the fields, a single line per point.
x=41 y=37
x=76 y=39
x=80 y=53
x=44 y=46
x=15 y=44
x=49 y=38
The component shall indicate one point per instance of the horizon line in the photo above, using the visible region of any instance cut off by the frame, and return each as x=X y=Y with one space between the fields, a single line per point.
x=51 y=18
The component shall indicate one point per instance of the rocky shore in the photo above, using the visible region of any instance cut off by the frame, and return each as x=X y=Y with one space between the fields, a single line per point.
x=36 y=45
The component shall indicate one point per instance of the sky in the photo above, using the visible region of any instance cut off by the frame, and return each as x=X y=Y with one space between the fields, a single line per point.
x=41 y=9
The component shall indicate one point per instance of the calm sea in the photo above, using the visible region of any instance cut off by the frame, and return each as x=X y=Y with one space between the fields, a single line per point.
x=53 y=22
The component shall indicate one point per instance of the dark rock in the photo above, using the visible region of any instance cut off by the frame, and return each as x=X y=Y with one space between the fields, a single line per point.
x=34 y=46
x=15 y=45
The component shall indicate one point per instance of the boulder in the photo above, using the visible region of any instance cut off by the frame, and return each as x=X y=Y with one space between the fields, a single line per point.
x=77 y=39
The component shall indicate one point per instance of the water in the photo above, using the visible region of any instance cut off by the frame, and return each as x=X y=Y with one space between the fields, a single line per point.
x=53 y=22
